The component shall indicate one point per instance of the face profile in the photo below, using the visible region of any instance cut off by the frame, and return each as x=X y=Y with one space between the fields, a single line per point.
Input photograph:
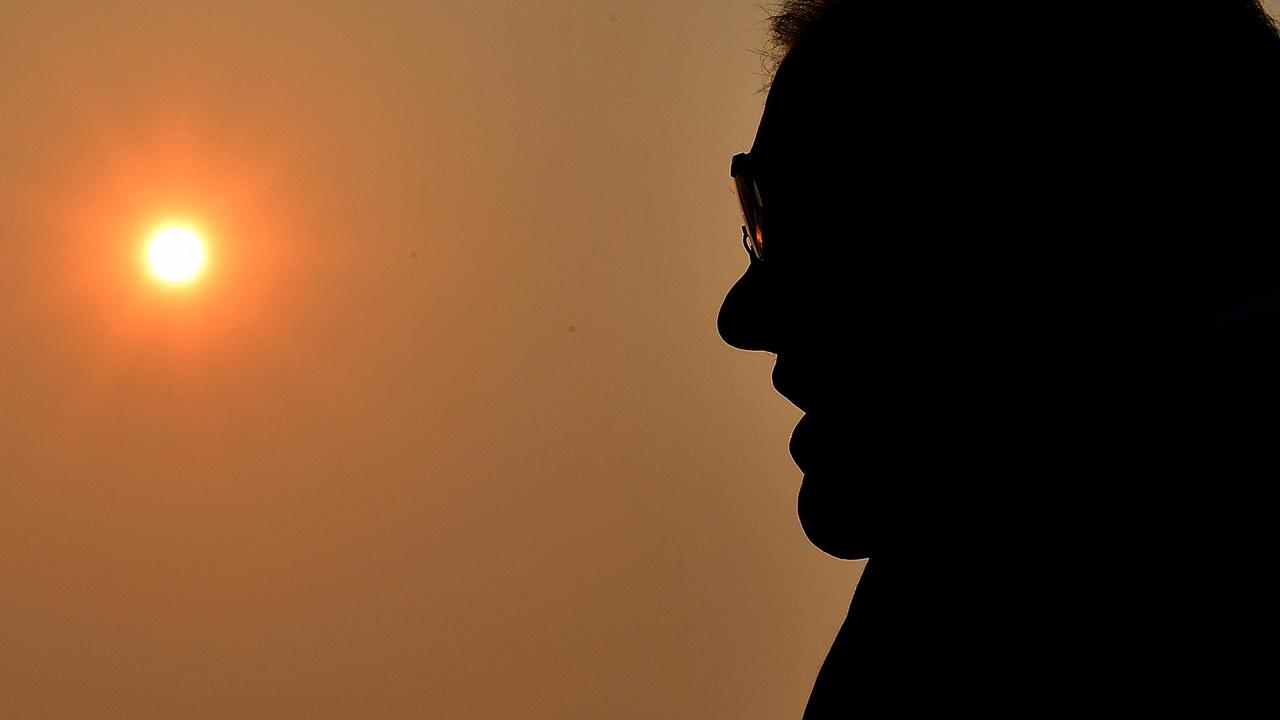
x=785 y=303
x=816 y=293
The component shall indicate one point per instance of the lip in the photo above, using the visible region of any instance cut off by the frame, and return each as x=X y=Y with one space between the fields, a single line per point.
x=784 y=383
x=802 y=444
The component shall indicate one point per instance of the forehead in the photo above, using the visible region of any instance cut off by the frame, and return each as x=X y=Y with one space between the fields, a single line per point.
x=779 y=111
x=803 y=116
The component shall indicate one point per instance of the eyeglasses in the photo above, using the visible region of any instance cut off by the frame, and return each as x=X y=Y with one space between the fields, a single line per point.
x=752 y=205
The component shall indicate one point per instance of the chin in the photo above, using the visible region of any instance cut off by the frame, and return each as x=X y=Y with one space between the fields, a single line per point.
x=828 y=521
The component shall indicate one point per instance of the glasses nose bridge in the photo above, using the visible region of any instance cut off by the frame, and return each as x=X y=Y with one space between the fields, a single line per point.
x=751 y=203
x=746 y=245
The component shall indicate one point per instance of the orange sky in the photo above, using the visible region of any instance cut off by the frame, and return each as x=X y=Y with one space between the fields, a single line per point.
x=445 y=430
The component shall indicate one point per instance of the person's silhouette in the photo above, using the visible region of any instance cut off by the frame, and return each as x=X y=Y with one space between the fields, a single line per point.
x=1001 y=436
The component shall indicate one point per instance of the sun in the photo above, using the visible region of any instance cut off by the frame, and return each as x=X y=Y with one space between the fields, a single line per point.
x=176 y=254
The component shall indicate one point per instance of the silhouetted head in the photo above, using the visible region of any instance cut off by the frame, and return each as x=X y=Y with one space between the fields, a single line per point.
x=803 y=164
x=929 y=182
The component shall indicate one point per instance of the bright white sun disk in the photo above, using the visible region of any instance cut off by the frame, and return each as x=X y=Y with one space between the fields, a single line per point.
x=176 y=254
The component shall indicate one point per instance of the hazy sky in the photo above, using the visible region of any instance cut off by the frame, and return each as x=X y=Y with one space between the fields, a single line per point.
x=445 y=430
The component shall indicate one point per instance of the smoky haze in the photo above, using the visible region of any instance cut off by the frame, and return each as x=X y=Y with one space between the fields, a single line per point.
x=445 y=430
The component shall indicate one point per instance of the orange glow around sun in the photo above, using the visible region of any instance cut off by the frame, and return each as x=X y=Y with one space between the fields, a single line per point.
x=176 y=254
x=177 y=248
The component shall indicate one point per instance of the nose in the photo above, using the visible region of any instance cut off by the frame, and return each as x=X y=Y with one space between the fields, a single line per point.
x=746 y=316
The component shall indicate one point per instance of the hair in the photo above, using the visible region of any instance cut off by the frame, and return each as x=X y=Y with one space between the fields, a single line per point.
x=790 y=21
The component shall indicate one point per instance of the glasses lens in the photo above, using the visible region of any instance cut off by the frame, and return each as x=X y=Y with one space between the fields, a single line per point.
x=752 y=203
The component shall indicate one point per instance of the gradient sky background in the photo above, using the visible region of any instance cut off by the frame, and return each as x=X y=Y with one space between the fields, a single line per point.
x=446 y=430
x=516 y=476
